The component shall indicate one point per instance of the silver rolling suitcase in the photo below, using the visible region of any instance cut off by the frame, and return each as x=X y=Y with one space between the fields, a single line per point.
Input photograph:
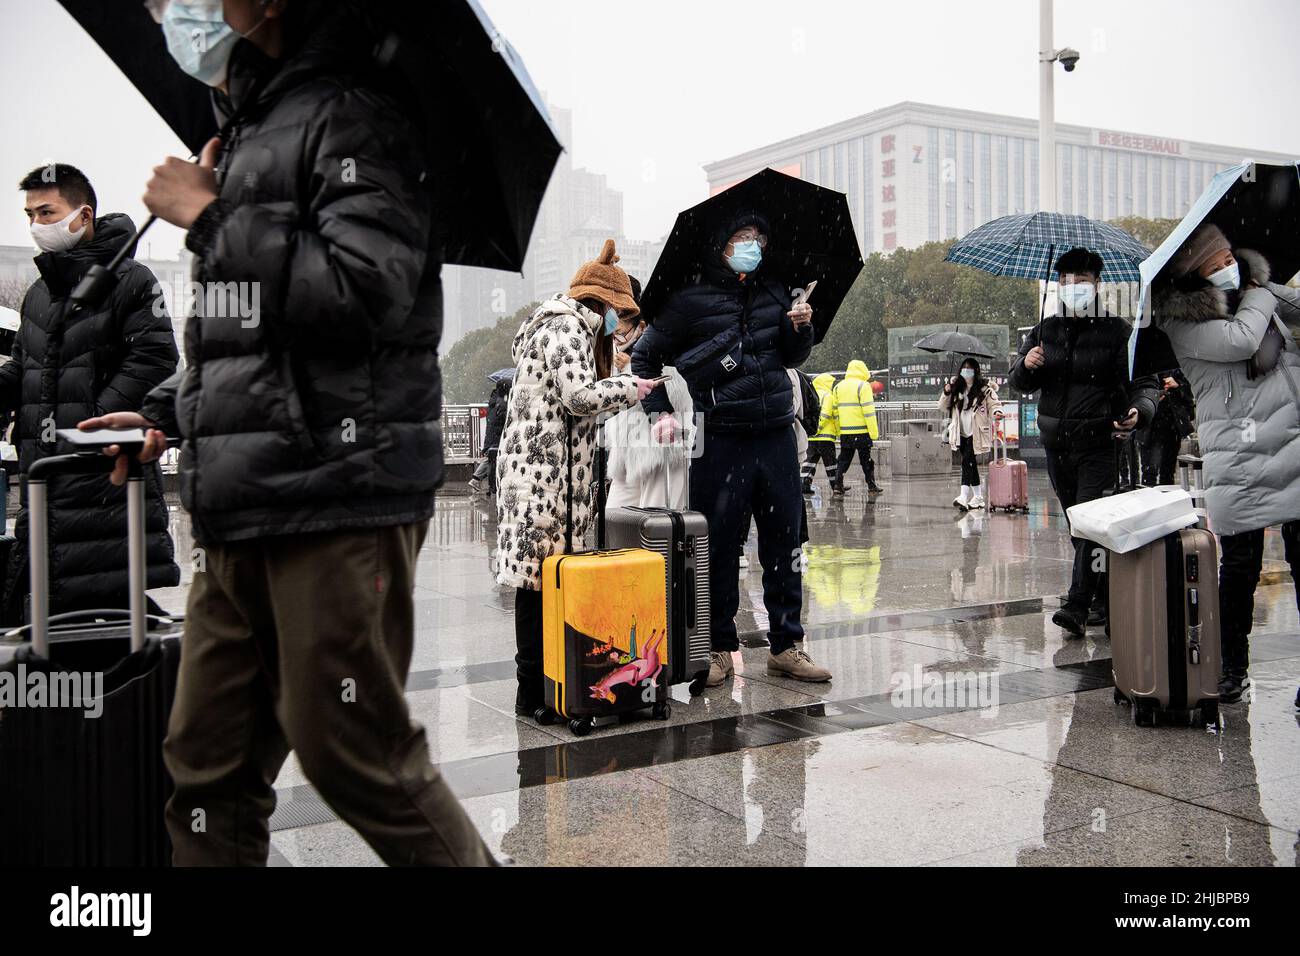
x=682 y=537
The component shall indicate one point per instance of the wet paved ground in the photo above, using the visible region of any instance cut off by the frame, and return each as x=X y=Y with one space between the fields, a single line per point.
x=771 y=771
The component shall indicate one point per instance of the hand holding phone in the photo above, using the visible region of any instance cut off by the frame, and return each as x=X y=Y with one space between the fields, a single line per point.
x=805 y=293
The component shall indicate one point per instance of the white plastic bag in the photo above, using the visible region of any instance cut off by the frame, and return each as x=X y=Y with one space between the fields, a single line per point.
x=1123 y=523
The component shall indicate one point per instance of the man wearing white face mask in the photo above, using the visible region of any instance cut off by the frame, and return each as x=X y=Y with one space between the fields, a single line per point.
x=1078 y=360
x=1232 y=330
x=64 y=369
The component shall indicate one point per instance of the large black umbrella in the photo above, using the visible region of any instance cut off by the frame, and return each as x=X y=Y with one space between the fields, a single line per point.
x=489 y=137
x=812 y=239
x=958 y=342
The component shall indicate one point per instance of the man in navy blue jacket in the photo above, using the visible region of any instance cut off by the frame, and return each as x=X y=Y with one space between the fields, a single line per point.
x=748 y=462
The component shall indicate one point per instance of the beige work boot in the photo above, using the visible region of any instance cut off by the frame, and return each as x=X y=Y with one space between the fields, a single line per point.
x=794 y=662
x=720 y=668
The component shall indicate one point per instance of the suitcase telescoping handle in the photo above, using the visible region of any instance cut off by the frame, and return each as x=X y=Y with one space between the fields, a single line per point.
x=37 y=480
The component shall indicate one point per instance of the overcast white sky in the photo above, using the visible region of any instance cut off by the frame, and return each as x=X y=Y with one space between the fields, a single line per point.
x=659 y=87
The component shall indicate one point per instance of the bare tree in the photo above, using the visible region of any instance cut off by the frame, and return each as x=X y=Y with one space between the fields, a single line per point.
x=12 y=292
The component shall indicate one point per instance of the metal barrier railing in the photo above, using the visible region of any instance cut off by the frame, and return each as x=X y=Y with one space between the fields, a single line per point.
x=463 y=428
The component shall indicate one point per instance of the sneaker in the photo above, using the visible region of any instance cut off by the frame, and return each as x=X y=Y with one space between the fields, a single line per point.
x=1074 y=623
x=1097 y=617
x=875 y=489
x=977 y=502
x=744 y=561
x=794 y=662
x=720 y=668
x=959 y=502
x=807 y=489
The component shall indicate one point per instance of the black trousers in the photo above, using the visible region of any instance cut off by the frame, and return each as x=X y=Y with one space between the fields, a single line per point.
x=861 y=446
x=1160 y=457
x=819 y=451
x=970 y=474
x=738 y=476
x=1240 y=564
x=1079 y=475
x=528 y=644
x=492 y=471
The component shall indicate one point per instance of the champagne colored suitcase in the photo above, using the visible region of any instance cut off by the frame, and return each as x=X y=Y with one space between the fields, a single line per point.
x=1164 y=627
x=604 y=636
x=1008 y=480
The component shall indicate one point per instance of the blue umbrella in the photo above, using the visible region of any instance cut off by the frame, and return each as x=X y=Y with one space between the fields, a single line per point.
x=1256 y=205
x=1026 y=245
x=502 y=375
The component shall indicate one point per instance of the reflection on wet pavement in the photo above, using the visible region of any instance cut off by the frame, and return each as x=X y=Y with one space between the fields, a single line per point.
x=961 y=727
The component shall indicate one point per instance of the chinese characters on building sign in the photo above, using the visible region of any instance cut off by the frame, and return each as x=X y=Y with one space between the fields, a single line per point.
x=1145 y=144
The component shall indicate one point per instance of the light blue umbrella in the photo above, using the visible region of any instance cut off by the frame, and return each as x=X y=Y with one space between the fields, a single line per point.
x=1256 y=205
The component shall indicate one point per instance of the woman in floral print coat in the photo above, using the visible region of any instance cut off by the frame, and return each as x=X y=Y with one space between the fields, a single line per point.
x=563 y=355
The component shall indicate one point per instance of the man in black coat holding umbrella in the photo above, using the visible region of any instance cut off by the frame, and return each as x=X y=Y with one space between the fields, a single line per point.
x=1078 y=359
x=748 y=462
x=312 y=445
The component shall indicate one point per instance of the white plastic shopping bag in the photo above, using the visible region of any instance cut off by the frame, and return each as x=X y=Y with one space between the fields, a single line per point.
x=1123 y=523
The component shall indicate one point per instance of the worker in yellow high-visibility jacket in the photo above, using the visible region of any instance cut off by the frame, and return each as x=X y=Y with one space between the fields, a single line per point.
x=821 y=446
x=854 y=408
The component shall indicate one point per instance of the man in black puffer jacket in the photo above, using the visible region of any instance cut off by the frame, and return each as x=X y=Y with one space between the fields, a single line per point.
x=748 y=462
x=63 y=369
x=1078 y=359
x=310 y=415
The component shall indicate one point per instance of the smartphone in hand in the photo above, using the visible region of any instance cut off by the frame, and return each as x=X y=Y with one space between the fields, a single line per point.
x=805 y=293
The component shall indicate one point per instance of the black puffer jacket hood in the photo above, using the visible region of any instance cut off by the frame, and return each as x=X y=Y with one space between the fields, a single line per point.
x=757 y=397
x=63 y=370
x=321 y=412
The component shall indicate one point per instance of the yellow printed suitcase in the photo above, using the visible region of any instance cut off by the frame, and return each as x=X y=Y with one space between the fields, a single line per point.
x=604 y=636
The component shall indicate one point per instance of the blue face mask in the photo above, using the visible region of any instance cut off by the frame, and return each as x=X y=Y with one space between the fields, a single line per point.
x=611 y=321
x=199 y=39
x=747 y=257
x=1228 y=278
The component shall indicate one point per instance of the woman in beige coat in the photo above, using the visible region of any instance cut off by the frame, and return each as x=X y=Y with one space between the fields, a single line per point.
x=972 y=403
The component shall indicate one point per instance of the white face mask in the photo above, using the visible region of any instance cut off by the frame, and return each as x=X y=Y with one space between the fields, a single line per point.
x=59 y=236
x=1228 y=278
x=1077 y=298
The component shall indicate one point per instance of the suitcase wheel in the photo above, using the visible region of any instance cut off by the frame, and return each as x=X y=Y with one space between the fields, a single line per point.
x=580 y=726
x=545 y=716
x=697 y=684
x=1144 y=712
x=1119 y=697
x=662 y=710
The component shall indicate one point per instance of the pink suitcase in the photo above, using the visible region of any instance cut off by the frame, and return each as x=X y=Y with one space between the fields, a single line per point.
x=1008 y=481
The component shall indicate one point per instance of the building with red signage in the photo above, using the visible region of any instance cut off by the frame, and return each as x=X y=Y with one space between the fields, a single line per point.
x=915 y=173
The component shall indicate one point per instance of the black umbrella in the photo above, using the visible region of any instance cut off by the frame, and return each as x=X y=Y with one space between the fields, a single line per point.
x=958 y=342
x=812 y=239
x=490 y=140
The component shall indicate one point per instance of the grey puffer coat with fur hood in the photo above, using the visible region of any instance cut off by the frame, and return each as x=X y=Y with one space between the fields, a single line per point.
x=1249 y=428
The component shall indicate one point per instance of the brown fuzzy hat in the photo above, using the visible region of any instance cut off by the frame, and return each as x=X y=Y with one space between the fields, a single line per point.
x=1206 y=241
x=601 y=279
